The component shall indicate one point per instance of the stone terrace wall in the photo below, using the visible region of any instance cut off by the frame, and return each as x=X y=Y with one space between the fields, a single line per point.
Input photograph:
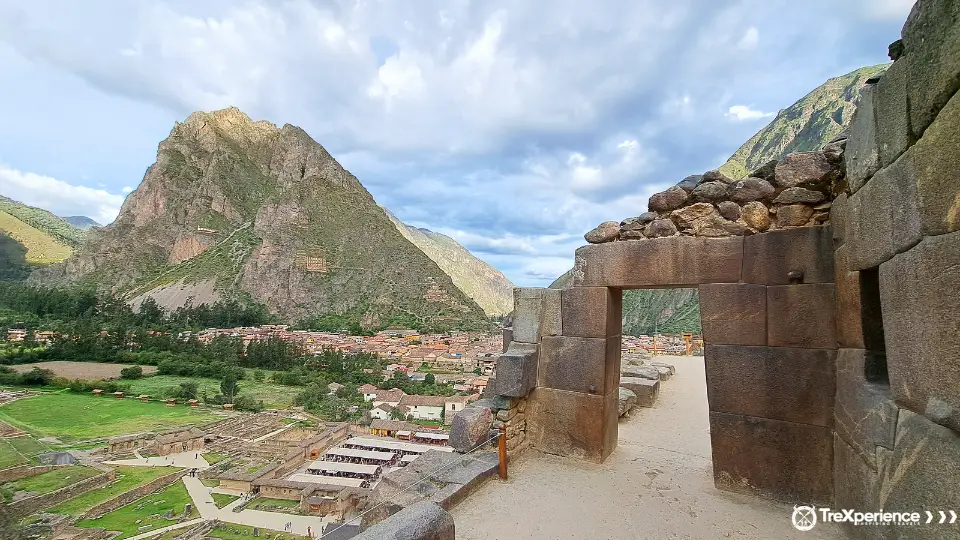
x=128 y=497
x=25 y=507
x=897 y=228
x=25 y=471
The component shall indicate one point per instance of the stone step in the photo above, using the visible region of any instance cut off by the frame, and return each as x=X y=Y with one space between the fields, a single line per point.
x=646 y=390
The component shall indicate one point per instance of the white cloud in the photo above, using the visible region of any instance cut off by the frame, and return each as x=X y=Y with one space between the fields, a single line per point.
x=743 y=113
x=886 y=9
x=59 y=197
x=126 y=189
x=750 y=39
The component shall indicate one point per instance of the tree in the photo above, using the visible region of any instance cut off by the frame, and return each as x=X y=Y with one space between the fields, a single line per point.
x=37 y=377
x=258 y=375
x=477 y=372
x=229 y=386
x=397 y=414
x=132 y=372
x=430 y=379
x=188 y=390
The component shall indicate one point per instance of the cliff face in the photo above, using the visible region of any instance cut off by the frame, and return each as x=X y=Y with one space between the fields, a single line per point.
x=486 y=285
x=267 y=214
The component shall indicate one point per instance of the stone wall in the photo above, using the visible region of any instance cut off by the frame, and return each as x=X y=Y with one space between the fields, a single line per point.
x=130 y=496
x=25 y=507
x=25 y=471
x=897 y=232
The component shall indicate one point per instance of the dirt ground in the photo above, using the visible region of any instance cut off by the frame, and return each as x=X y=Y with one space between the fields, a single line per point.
x=82 y=370
x=657 y=485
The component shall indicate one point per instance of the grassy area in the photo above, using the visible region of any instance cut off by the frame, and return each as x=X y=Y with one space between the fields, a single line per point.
x=222 y=499
x=127 y=479
x=274 y=505
x=148 y=511
x=274 y=396
x=41 y=247
x=73 y=417
x=9 y=457
x=47 y=482
x=28 y=446
x=210 y=482
x=246 y=533
x=214 y=457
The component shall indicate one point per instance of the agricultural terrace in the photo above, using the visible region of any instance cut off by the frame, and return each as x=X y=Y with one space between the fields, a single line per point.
x=145 y=514
x=81 y=370
x=45 y=482
x=273 y=396
x=76 y=417
x=127 y=478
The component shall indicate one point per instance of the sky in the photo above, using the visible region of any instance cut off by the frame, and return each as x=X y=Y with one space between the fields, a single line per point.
x=513 y=127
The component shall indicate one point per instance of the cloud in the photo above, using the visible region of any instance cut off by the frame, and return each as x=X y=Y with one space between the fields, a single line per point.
x=750 y=39
x=743 y=113
x=59 y=197
x=895 y=10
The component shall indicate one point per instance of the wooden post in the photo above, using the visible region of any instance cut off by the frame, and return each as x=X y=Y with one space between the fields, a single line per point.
x=502 y=451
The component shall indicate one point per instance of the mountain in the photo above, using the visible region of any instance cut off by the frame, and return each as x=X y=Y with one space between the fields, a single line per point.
x=31 y=237
x=483 y=283
x=806 y=125
x=244 y=210
x=81 y=222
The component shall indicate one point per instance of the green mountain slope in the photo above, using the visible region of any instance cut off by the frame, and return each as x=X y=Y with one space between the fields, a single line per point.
x=30 y=238
x=806 y=125
x=240 y=209
x=486 y=285
x=81 y=222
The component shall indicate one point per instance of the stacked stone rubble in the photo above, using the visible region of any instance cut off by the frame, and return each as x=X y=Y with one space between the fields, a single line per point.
x=897 y=232
x=513 y=417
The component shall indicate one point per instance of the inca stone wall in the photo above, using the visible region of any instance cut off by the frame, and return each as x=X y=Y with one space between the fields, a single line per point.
x=897 y=231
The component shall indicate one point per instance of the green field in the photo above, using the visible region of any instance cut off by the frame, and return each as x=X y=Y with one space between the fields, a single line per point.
x=19 y=450
x=47 y=482
x=125 y=519
x=9 y=457
x=76 y=417
x=274 y=396
x=127 y=479
x=222 y=499
x=217 y=532
x=41 y=247
x=274 y=505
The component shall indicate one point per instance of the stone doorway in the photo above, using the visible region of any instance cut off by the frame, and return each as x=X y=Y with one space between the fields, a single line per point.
x=767 y=311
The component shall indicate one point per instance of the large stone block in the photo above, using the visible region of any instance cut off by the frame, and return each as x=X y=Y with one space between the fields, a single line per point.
x=507 y=338
x=594 y=312
x=862 y=155
x=931 y=38
x=588 y=365
x=838 y=219
x=572 y=424
x=849 y=315
x=661 y=262
x=781 y=460
x=921 y=473
x=794 y=385
x=893 y=122
x=865 y=414
x=884 y=218
x=421 y=521
x=470 y=428
x=734 y=314
x=920 y=295
x=646 y=391
x=773 y=257
x=536 y=313
x=516 y=371
x=801 y=316
x=937 y=156
x=856 y=485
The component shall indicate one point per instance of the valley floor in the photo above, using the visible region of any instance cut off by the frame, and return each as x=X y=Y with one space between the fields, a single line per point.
x=658 y=484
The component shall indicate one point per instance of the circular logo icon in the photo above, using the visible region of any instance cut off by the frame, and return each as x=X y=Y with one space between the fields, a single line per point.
x=804 y=517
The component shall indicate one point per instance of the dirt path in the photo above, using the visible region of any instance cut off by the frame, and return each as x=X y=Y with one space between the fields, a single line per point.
x=657 y=485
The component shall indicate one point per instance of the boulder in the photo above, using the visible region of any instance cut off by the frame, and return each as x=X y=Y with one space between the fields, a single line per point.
x=703 y=219
x=799 y=195
x=631 y=228
x=627 y=401
x=767 y=171
x=717 y=176
x=660 y=227
x=729 y=210
x=806 y=169
x=669 y=367
x=687 y=217
x=710 y=192
x=751 y=189
x=834 y=151
x=640 y=372
x=690 y=182
x=424 y=520
x=756 y=215
x=647 y=391
x=671 y=199
x=608 y=231
x=794 y=215
x=470 y=428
